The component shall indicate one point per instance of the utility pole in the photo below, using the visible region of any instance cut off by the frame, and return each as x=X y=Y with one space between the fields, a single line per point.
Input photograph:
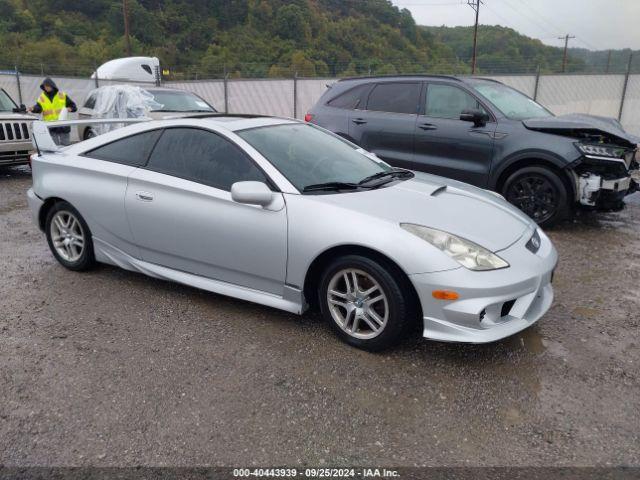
x=564 y=56
x=125 y=14
x=475 y=4
x=608 y=61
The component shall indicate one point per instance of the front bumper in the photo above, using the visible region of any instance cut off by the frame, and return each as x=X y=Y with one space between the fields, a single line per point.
x=494 y=304
x=15 y=153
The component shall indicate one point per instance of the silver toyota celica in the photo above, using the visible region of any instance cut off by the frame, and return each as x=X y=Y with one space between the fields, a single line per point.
x=288 y=215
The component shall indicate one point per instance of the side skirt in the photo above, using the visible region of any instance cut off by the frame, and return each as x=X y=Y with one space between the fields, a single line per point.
x=291 y=301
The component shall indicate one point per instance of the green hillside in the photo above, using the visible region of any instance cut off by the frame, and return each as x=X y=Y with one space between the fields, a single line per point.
x=256 y=38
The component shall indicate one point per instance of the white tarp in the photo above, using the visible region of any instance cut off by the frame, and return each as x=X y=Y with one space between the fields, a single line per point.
x=122 y=101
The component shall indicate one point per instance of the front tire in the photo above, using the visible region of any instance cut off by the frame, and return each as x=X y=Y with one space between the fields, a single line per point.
x=367 y=304
x=69 y=237
x=539 y=192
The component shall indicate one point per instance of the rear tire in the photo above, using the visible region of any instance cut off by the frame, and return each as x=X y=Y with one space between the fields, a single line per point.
x=367 y=304
x=69 y=237
x=89 y=133
x=539 y=192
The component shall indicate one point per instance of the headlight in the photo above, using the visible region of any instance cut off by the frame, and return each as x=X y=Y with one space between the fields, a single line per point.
x=601 y=150
x=466 y=253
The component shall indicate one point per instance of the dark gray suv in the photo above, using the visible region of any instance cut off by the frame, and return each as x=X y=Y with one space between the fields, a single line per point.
x=485 y=133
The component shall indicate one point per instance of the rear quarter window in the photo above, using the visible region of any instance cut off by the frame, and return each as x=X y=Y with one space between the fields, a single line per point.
x=351 y=99
x=133 y=150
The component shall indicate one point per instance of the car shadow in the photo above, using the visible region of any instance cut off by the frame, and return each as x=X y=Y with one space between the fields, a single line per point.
x=14 y=172
x=309 y=326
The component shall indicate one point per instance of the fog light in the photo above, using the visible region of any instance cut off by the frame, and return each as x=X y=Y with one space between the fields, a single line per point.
x=445 y=295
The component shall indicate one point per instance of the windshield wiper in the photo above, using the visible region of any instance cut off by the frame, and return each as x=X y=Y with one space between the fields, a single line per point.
x=328 y=186
x=395 y=173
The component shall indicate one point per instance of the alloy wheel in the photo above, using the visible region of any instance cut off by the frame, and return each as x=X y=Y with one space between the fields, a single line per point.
x=357 y=303
x=67 y=236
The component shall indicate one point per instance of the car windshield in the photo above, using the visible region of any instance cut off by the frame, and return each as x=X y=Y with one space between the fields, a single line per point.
x=308 y=156
x=510 y=102
x=6 y=104
x=179 y=102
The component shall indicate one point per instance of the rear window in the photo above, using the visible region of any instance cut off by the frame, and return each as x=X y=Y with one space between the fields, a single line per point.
x=395 y=98
x=350 y=99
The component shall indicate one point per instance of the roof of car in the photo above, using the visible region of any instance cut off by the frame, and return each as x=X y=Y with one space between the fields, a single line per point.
x=404 y=77
x=239 y=121
x=415 y=76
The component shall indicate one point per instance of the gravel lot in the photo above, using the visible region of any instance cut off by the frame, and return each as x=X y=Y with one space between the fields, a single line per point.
x=113 y=368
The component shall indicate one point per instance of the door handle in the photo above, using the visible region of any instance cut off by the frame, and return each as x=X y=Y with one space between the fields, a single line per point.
x=359 y=121
x=145 y=196
x=427 y=126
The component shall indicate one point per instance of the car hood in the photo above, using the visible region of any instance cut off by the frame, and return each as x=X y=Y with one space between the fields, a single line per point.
x=455 y=207
x=576 y=125
x=16 y=116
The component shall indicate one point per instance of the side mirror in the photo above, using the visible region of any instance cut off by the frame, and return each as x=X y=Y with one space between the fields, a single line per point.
x=478 y=117
x=252 y=193
x=21 y=109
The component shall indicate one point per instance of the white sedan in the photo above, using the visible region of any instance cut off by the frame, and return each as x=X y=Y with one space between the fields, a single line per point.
x=285 y=214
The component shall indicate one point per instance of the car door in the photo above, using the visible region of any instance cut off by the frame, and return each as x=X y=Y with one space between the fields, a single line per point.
x=182 y=215
x=99 y=181
x=448 y=146
x=386 y=126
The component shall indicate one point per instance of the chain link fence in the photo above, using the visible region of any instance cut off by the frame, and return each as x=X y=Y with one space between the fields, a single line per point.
x=615 y=95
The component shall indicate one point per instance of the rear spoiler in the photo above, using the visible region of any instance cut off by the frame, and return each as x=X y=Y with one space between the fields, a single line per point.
x=42 y=137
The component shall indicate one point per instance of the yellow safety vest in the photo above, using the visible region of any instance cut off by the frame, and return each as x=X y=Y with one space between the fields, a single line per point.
x=51 y=108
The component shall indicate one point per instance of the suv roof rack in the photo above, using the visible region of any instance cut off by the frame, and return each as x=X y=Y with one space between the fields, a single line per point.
x=407 y=75
x=486 y=79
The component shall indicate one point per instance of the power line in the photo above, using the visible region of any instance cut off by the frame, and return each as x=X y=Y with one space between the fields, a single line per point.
x=554 y=25
x=428 y=4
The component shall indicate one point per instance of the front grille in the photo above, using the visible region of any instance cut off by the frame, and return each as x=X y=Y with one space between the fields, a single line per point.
x=14 y=131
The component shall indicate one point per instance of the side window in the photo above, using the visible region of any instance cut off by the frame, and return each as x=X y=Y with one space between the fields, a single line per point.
x=447 y=101
x=203 y=157
x=91 y=100
x=133 y=150
x=395 y=97
x=350 y=99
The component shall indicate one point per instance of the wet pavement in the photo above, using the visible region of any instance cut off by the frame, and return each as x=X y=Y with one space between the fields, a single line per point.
x=113 y=368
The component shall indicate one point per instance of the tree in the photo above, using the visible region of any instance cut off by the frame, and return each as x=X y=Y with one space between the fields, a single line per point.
x=291 y=24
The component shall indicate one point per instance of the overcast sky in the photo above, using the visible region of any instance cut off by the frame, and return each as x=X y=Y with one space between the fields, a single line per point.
x=597 y=24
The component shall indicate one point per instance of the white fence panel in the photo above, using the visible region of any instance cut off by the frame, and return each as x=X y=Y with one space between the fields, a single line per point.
x=210 y=90
x=593 y=94
x=631 y=111
x=524 y=83
x=309 y=91
x=265 y=97
x=8 y=83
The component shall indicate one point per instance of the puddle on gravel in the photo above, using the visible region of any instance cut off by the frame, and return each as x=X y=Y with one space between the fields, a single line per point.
x=530 y=340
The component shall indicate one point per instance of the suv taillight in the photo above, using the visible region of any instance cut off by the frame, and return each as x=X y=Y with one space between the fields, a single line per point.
x=308 y=117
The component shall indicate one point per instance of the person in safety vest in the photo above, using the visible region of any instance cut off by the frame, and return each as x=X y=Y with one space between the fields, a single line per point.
x=50 y=103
